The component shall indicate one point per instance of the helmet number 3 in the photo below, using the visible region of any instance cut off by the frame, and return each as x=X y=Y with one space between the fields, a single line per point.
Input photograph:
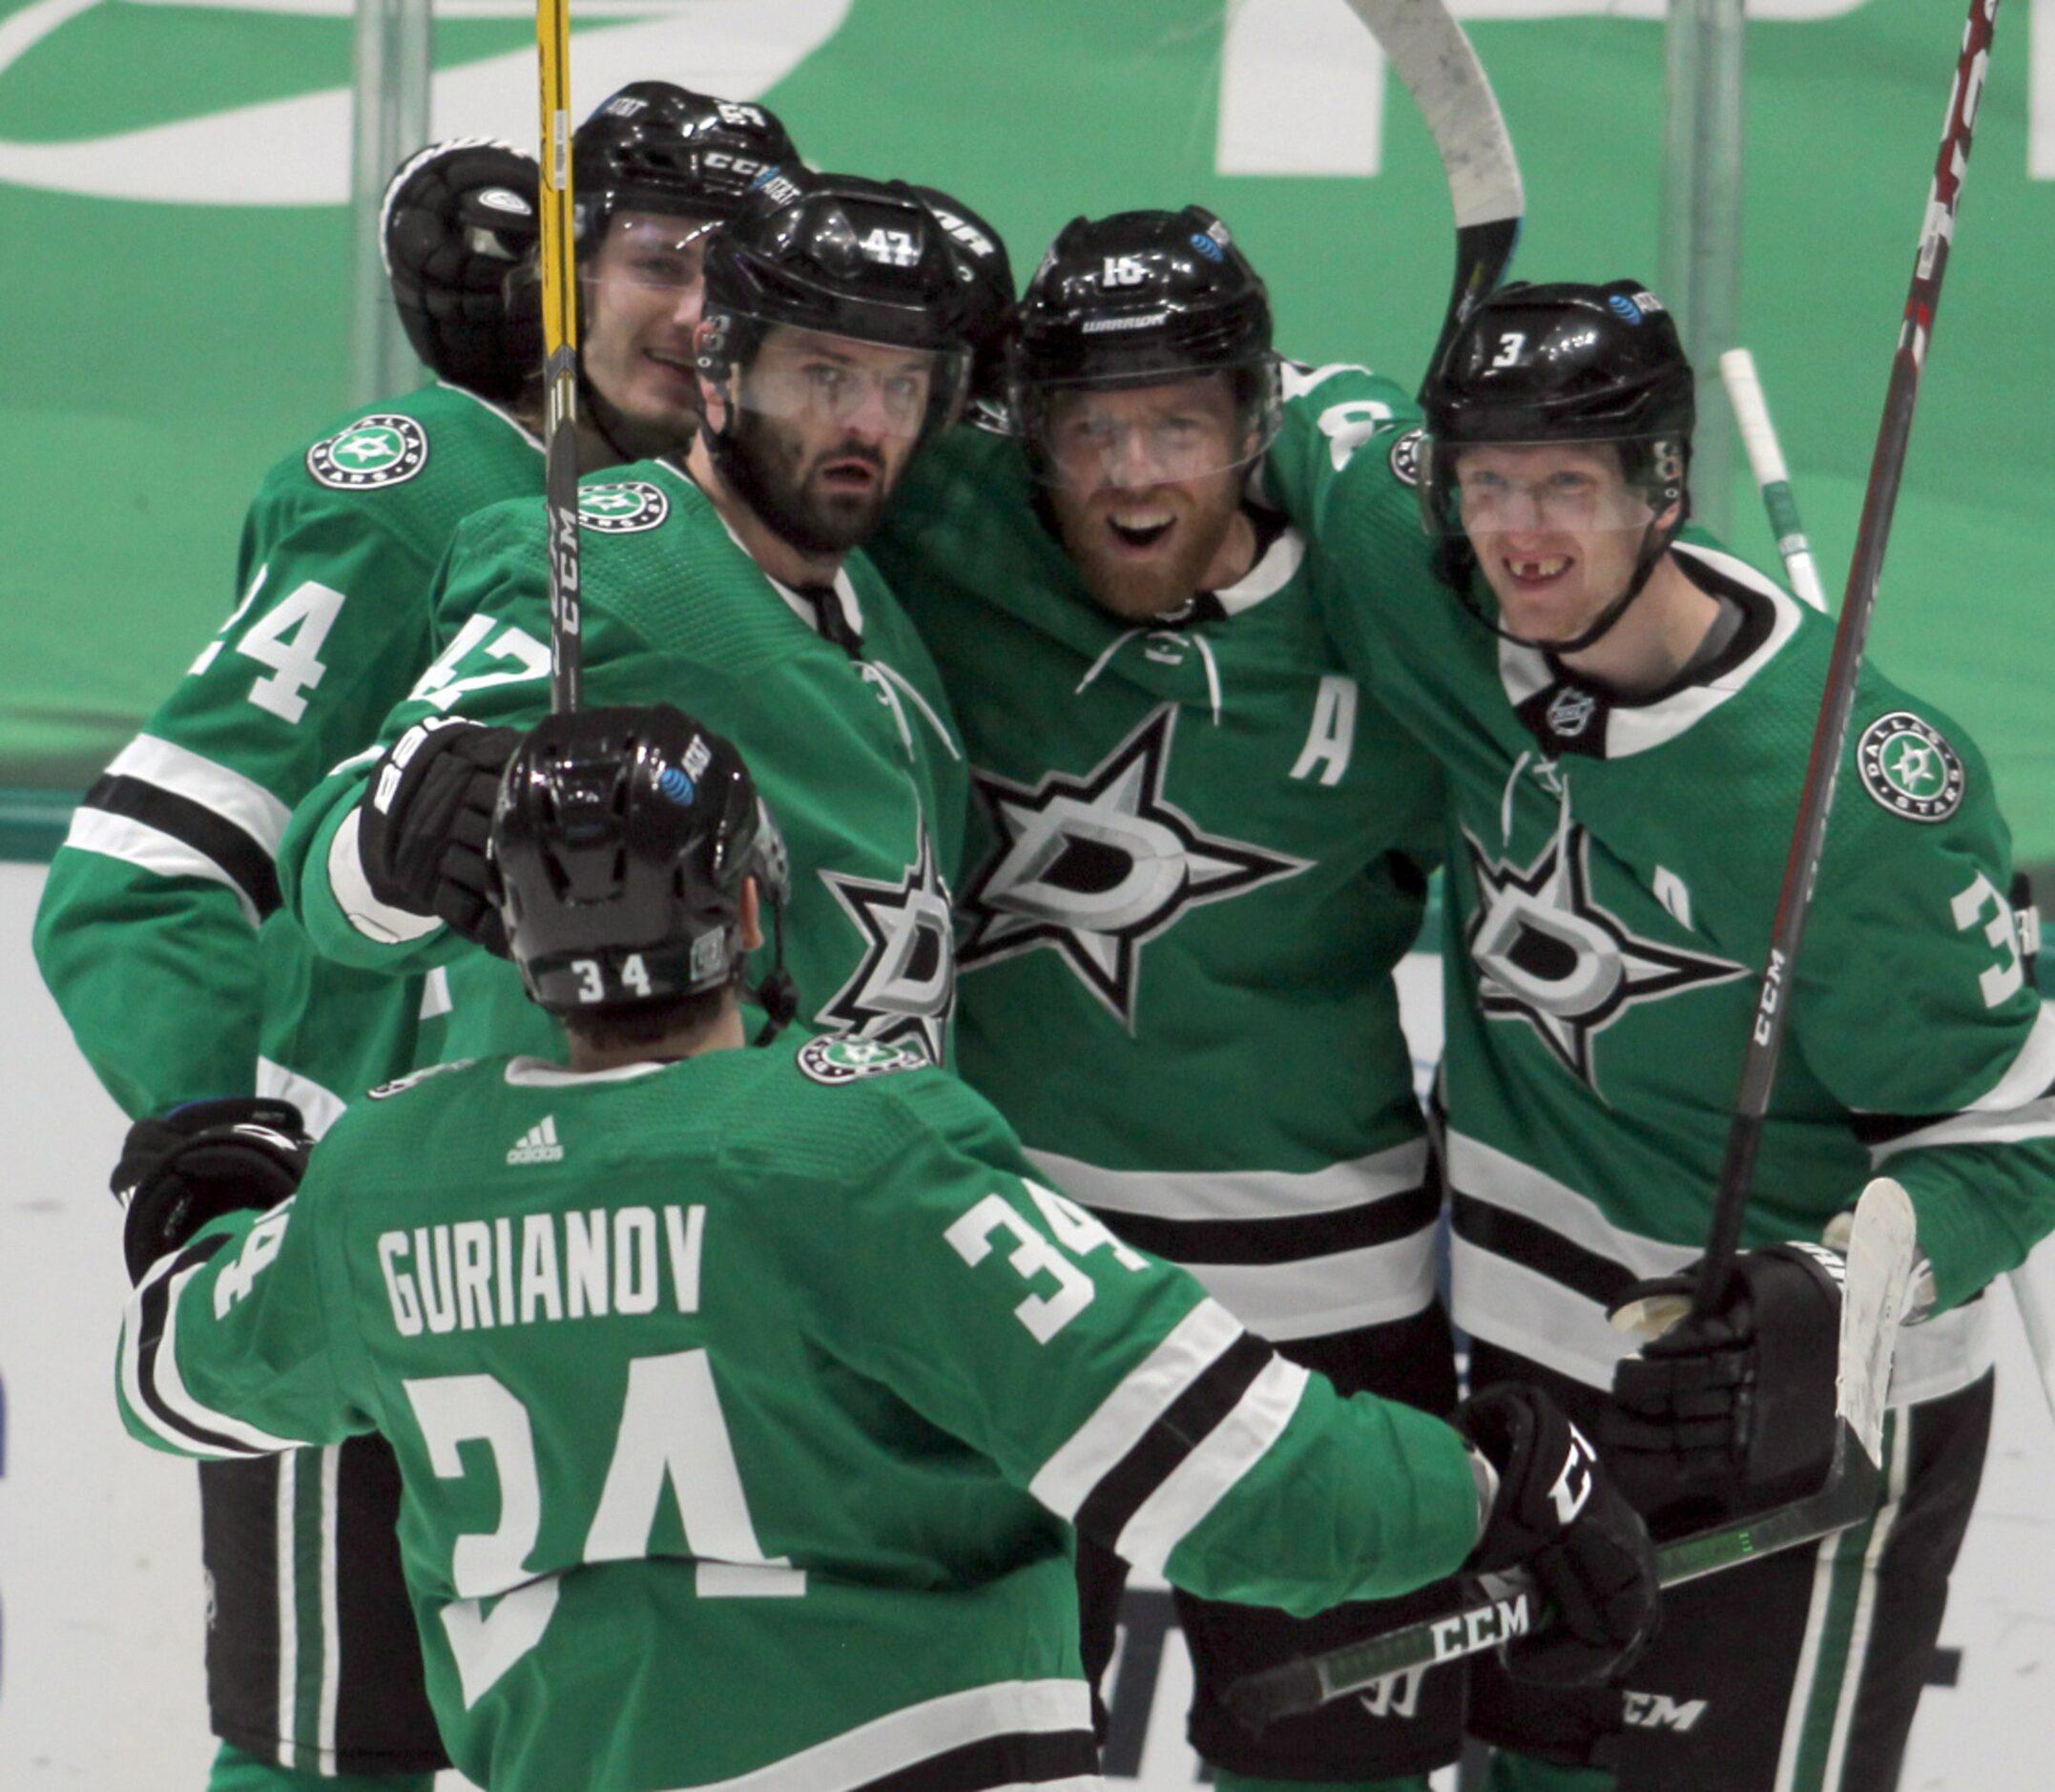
x=1510 y=346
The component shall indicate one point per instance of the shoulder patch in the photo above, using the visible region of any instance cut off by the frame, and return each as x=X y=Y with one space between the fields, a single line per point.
x=400 y=1085
x=622 y=509
x=381 y=450
x=1406 y=456
x=1908 y=766
x=843 y=1058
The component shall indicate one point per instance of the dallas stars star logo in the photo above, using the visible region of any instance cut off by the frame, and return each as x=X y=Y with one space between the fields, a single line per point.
x=1093 y=867
x=1547 y=955
x=386 y=450
x=904 y=991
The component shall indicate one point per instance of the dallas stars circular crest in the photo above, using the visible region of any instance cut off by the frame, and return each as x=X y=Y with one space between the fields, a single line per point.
x=377 y=450
x=1909 y=767
x=1406 y=456
x=840 y=1058
x=622 y=509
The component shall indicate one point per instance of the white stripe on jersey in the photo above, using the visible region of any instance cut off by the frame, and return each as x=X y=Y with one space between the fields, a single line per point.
x=1222 y=1457
x=2032 y=1074
x=352 y=892
x=171 y=1389
x=1238 y=1194
x=132 y=1381
x=139 y=843
x=285 y=1574
x=1491 y=1174
x=1097 y=1446
x=214 y=787
x=905 y=1739
x=2035 y=1120
x=320 y=1108
x=1313 y=1297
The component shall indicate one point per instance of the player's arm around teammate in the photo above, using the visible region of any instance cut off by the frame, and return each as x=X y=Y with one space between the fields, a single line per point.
x=869 y=1362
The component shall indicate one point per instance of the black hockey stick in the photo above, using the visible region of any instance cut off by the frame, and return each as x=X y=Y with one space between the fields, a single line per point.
x=1508 y=1605
x=1433 y=57
x=560 y=353
x=1830 y=738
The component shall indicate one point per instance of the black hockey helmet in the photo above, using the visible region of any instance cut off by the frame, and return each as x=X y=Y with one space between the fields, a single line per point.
x=985 y=273
x=846 y=257
x=457 y=219
x=1137 y=299
x=653 y=147
x=619 y=843
x=1564 y=362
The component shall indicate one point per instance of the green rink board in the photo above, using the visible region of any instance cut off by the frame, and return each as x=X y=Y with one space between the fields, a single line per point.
x=161 y=355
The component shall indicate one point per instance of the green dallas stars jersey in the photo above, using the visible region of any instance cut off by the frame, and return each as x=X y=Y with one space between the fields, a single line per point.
x=160 y=932
x=741 y=1405
x=1203 y=854
x=1613 y=872
x=856 y=756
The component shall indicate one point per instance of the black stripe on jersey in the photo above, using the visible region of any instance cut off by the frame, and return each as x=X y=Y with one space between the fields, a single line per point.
x=1287 y=1240
x=1535 y=1246
x=1207 y=1398
x=156 y=1310
x=1027 y=1758
x=1882 y=1129
x=239 y=853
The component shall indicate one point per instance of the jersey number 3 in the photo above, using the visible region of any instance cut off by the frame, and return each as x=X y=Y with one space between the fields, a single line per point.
x=672 y=1430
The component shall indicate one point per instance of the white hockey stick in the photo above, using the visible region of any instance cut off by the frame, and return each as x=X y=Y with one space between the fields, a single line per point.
x=1880 y=1254
x=1422 y=42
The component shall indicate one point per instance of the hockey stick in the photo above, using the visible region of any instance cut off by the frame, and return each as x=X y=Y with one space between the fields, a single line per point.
x=1801 y=869
x=1433 y=57
x=1765 y=455
x=1738 y=368
x=1509 y=1605
x=560 y=353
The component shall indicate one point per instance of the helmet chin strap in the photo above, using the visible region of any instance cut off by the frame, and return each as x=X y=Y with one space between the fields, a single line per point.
x=777 y=995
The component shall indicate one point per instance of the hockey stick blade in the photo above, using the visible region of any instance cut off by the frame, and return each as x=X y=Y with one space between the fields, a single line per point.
x=1501 y=1607
x=1422 y=42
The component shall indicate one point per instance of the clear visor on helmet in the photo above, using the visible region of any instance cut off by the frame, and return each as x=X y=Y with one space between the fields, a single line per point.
x=653 y=250
x=1090 y=434
x=1554 y=487
x=851 y=383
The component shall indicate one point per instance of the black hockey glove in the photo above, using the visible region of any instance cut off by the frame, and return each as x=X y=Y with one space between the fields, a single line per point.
x=458 y=219
x=1734 y=1412
x=201 y=1161
x=425 y=823
x=1558 y=1515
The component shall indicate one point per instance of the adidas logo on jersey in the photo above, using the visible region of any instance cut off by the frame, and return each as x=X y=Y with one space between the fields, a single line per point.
x=538 y=1144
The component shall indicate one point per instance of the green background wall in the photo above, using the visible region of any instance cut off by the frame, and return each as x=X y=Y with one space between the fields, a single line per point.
x=158 y=355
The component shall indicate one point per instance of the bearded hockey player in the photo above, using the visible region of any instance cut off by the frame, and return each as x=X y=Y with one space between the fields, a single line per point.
x=1624 y=715
x=730 y=575
x=160 y=932
x=1205 y=851
x=745 y=1400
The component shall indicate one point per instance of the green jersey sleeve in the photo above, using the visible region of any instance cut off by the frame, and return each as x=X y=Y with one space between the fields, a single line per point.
x=226 y=1351
x=1110 y=1385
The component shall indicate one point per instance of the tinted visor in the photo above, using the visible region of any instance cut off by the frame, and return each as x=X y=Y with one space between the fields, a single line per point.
x=800 y=376
x=1090 y=434
x=1548 y=488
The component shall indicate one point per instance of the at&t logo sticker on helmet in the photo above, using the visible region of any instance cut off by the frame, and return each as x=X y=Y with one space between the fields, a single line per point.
x=1909 y=767
x=377 y=450
x=622 y=509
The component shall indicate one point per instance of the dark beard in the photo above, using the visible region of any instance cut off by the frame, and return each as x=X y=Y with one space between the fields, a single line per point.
x=761 y=469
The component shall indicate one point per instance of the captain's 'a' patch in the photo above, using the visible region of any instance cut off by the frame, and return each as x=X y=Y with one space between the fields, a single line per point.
x=382 y=449
x=840 y=1058
x=1096 y=867
x=1548 y=954
x=1908 y=766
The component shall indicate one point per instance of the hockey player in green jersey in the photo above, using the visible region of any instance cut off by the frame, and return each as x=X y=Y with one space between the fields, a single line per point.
x=1205 y=851
x=160 y=932
x=730 y=576
x=1625 y=717
x=745 y=1400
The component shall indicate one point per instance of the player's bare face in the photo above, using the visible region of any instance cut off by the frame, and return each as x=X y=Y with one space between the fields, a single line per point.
x=642 y=298
x=827 y=425
x=1146 y=488
x=1556 y=529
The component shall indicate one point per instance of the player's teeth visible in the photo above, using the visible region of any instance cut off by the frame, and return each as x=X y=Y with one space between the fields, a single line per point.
x=1541 y=568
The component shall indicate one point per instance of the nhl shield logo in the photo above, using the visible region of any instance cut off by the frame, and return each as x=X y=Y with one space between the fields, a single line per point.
x=1570 y=712
x=379 y=450
x=622 y=509
x=1909 y=767
x=840 y=1058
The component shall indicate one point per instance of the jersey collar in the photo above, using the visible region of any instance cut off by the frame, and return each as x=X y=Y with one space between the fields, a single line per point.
x=1570 y=717
x=540 y=1073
